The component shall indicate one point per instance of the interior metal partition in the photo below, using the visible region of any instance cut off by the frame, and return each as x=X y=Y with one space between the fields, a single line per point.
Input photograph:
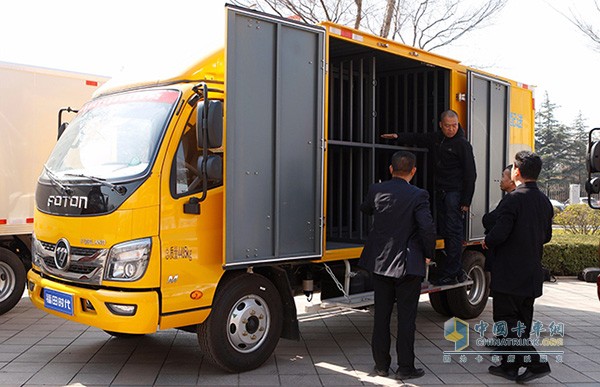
x=372 y=92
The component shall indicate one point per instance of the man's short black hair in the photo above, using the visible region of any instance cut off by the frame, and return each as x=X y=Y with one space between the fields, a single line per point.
x=403 y=162
x=529 y=164
x=508 y=167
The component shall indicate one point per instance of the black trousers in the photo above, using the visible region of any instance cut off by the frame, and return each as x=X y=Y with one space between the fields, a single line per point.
x=514 y=310
x=405 y=294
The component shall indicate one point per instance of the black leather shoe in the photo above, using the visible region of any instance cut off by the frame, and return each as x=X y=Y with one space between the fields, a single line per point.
x=413 y=374
x=445 y=281
x=379 y=372
x=532 y=374
x=504 y=372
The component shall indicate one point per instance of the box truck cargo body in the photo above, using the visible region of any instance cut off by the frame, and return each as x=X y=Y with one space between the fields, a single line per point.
x=30 y=100
x=208 y=200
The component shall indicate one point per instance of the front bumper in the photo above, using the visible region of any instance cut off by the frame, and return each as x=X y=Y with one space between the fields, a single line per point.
x=90 y=306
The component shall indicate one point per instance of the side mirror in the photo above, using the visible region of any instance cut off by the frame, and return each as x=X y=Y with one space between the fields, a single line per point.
x=214 y=167
x=594 y=157
x=211 y=116
x=592 y=185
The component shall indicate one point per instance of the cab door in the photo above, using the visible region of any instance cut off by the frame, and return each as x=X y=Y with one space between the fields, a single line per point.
x=488 y=102
x=191 y=243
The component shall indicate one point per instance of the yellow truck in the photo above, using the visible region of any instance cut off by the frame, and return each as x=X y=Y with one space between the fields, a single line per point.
x=207 y=200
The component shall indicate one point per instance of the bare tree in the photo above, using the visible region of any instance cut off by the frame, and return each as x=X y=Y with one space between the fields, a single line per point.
x=585 y=26
x=427 y=24
x=430 y=24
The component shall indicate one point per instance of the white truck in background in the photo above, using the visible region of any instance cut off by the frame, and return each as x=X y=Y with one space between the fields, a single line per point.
x=32 y=102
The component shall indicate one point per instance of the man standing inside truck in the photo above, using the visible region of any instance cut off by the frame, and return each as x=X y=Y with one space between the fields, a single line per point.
x=523 y=226
x=400 y=241
x=454 y=184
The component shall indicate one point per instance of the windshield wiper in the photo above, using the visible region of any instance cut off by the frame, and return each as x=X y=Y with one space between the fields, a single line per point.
x=55 y=181
x=121 y=190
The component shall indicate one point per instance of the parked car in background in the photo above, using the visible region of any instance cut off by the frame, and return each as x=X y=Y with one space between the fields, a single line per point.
x=583 y=200
x=558 y=206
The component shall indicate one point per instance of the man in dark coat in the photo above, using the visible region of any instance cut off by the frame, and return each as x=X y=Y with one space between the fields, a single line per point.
x=455 y=176
x=400 y=241
x=523 y=226
x=489 y=219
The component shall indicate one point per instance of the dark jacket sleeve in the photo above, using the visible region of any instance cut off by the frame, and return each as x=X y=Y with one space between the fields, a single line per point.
x=425 y=225
x=368 y=205
x=424 y=140
x=507 y=215
x=469 y=175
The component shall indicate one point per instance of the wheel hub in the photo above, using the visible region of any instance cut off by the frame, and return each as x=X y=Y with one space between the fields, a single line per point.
x=8 y=281
x=249 y=322
x=476 y=291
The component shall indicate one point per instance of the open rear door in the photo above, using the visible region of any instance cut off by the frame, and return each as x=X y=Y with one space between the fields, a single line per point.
x=488 y=110
x=274 y=139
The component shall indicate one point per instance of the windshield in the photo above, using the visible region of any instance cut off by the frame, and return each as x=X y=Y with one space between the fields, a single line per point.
x=113 y=137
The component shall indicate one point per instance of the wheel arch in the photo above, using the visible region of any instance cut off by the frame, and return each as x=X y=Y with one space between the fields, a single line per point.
x=278 y=276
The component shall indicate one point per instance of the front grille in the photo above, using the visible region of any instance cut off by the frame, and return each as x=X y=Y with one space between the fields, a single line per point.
x=86 y=264
x=73 y=267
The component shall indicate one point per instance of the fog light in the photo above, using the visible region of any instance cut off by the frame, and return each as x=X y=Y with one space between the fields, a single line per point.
x=87 y=306
x=30 y=285
x=122 y=309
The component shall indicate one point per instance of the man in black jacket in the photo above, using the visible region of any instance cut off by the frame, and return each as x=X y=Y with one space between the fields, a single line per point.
x=455 y=176
x=401 y=239
x=523 y=226
x=489 y=220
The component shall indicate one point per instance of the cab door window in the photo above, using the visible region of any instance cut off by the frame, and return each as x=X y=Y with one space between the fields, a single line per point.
x=186 y=177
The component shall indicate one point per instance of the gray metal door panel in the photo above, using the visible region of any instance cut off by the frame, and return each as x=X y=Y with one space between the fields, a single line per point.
x=488 y=122
x=274 y=129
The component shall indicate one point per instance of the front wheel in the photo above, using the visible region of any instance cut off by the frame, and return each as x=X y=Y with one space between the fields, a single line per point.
x=12 y=280
x=245 y=324
x=469 y=301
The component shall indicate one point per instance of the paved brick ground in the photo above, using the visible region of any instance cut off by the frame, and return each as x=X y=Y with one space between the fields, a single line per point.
x=39 y=349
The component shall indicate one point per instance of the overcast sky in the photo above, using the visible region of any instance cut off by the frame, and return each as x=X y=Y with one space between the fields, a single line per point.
x=528 y=42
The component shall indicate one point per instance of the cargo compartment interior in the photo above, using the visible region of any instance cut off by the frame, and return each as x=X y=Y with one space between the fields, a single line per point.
x=372 y=92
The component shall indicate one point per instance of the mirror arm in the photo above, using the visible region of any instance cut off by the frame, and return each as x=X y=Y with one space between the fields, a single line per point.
x=204 y=142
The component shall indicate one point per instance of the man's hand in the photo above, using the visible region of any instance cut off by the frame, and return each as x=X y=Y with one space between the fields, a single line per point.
x=484 y=246
x=464 y=208
x=427 y=261
x=389 y=136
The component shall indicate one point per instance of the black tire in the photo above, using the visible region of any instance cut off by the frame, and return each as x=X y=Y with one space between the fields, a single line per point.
x=439 y=302
x=245 y=324
x=469 y=301
x=12 y=280
x=119 y=335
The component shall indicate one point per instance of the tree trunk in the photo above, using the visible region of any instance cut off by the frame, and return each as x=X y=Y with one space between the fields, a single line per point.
x=387 y=19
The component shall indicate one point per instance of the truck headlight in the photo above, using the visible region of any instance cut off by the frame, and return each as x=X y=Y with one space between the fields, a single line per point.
x=36 y=251
x=128 y=261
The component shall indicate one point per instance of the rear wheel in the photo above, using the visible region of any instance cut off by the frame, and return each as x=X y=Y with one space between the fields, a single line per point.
x=469 y=301
x=12 y=280
x=439 y=302
x=245 y=324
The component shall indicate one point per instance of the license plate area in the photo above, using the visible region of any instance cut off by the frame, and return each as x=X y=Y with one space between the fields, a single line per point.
x=58 y=301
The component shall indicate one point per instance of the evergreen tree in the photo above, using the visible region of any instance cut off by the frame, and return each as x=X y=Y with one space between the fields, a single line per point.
x=575 y=171
x=551 y=138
